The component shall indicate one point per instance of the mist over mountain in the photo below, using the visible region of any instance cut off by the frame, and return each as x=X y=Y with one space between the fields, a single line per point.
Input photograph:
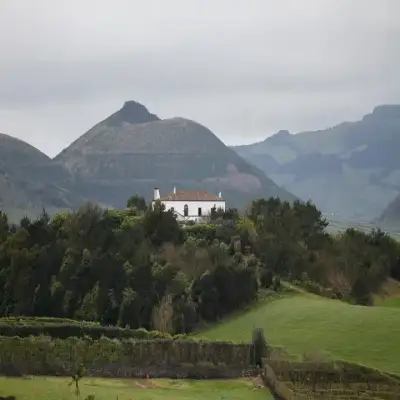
x=351 y=169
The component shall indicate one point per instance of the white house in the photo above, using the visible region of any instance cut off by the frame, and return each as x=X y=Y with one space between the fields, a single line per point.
x=190 y=205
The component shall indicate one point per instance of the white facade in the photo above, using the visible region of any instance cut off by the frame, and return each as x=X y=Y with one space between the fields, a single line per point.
x=193 y=209
x=189 y=208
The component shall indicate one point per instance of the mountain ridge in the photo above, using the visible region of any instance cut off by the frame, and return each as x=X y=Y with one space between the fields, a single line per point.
x=357 y=164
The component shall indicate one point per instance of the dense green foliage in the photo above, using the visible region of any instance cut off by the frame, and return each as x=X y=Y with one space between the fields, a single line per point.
x=142 y=269
x=291 y=241
x=124 y=268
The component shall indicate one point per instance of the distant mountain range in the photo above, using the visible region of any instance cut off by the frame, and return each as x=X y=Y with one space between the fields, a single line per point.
x=130 y=152
x=351 y=170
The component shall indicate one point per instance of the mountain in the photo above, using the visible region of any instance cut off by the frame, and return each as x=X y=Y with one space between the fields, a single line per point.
x=133 y=151
x=351 y=170
x=31 y=181
x=390 y=218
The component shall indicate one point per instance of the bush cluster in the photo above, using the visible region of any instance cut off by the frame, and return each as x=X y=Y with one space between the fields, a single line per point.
x=315 y=287
x=206 y=232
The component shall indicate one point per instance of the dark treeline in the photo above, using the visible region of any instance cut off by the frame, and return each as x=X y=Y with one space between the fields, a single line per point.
x=140 y=268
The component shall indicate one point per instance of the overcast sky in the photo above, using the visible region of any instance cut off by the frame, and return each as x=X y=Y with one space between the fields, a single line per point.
x=243 y=68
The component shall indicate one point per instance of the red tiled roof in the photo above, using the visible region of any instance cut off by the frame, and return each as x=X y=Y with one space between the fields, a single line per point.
x=184 y=195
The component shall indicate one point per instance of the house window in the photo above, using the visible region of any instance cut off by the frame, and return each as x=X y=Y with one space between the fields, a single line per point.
x=185 y=210
x=199 y=211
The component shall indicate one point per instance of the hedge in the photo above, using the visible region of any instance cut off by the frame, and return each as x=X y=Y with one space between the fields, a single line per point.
x=64 y=330
x=206 y=232
x=23 y=320
x=44 y=352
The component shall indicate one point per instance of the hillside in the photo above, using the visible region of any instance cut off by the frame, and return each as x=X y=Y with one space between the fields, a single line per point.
x=305 y=323
x=132 y=151
x=30 y=181
x=351 y=169
x=391 y=215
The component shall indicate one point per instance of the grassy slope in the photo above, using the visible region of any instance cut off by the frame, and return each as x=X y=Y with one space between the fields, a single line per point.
x=304 y=323
x=389 y=295
x=49 y=388
x=393 y=302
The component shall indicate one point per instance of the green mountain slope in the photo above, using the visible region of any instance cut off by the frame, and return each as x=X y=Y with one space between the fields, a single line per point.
x=352 y=169
x=133 y=151
x=30 y=181
x=305 y=323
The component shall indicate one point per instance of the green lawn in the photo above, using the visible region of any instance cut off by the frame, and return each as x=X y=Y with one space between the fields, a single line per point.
x=389 y=295
x=49 y=388
x=306 y=323
x=391 y=302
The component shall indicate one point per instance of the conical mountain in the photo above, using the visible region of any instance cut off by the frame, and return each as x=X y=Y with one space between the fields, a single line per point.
x=132 y=151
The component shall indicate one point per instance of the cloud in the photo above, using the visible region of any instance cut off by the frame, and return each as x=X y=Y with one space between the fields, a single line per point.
x=244 y=69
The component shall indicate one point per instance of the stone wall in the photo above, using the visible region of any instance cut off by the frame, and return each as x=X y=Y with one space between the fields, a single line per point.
x=330 y=380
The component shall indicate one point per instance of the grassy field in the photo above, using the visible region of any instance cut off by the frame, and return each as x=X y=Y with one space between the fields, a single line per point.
x=304 y=323
x=49 y=388
x=389 y=295
x=393 y=302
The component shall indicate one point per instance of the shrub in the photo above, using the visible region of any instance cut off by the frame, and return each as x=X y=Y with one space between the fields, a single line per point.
x=266 y=278
x=259 y=346
x=277 y=283
x=206 y=232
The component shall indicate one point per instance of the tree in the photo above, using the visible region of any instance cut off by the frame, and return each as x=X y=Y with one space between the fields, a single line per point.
x=78 y=375
x=122 y=267
x=266 y=278
x=137 y=202
x=163 y=315
x=161 y=226
x=88 y=310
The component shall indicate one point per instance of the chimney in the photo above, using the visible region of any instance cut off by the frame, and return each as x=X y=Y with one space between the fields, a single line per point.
x=156 y=195
x=220 y=195
x=174 y=189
